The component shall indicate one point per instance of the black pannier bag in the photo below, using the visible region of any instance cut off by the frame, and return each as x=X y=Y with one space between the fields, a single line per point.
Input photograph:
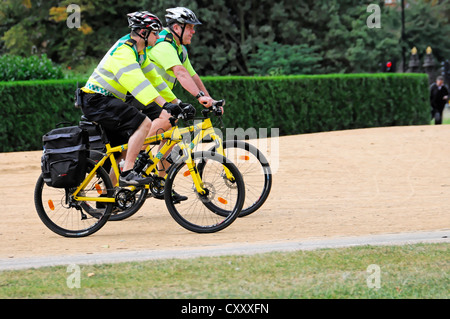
x=65 y=155
x=96 y=146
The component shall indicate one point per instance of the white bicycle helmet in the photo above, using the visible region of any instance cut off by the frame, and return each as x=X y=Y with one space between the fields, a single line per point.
x=181 y=15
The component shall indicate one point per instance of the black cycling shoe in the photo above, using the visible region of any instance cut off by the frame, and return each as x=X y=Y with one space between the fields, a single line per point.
x=131 y=178
x=177 y=198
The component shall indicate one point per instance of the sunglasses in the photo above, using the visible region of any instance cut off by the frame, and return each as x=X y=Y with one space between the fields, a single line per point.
x=147 y=32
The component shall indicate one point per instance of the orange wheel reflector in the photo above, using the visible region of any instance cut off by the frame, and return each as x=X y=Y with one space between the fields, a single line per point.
x=244 y=157
x=186 y=174
x=50 y=204
x=99 y=189
x=222 y=200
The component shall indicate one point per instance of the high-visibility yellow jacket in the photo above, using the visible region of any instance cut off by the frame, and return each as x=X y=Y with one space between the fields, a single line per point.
x=123 y=70
x=166 y=54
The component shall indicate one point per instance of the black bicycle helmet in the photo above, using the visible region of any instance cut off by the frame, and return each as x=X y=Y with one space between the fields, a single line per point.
x=181 y=15
x=144 y=20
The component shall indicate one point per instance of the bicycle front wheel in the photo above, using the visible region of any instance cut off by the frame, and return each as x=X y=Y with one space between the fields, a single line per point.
x=255 y=170
x=204 y=213
x=66 y=217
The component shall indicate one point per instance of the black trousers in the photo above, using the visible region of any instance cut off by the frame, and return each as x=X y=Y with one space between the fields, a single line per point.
x=437 y=114
x=119 y=119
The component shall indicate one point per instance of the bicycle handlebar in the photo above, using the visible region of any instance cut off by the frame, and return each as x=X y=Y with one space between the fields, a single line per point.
x=216 y=108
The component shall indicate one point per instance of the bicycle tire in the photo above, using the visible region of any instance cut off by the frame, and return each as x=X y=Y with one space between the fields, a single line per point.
x=198 y=213
x=257 y=178
x=73 y=220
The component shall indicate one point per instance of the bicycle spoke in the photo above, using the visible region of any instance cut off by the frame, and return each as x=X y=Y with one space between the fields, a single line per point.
x=214 y=210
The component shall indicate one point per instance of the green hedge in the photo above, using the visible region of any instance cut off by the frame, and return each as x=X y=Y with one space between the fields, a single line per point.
x=307 y=104
x=17 y=68
x=294 y=104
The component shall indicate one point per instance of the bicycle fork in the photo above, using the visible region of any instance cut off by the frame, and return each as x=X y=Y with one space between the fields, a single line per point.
x=218 y=148
x=192 y=169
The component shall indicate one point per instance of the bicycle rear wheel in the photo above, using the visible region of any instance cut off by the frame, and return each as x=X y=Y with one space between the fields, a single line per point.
x=69 y=218
x=204 y=213
x=255 y=170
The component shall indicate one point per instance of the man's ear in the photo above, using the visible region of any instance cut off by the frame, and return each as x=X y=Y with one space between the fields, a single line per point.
x=176 y=27
x=144 y=32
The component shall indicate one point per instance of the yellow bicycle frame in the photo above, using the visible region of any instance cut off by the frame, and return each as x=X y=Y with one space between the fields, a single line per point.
x=204 y=129
x=173 y=136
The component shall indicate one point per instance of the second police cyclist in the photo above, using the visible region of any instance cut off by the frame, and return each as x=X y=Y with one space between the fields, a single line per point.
x=126 y=68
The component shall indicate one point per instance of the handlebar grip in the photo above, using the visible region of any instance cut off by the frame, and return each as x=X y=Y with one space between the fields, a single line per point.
x=215 y=107
x=220 y=103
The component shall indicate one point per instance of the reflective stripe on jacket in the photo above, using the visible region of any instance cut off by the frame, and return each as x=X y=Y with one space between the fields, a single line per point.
x=124 y=70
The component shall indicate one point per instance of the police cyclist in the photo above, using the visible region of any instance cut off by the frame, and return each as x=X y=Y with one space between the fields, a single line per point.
x=127 y=68
x=170 y=54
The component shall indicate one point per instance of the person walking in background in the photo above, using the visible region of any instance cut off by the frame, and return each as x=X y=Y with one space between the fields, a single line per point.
x=438 y=99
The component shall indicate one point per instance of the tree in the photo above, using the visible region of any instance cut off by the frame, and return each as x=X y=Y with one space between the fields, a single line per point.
x=428 y=25
x=237 y=37
x=41 y=27
x=284 y=59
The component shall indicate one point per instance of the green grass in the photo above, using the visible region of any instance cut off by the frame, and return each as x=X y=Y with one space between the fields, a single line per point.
x=445 y=121
x=411 y=271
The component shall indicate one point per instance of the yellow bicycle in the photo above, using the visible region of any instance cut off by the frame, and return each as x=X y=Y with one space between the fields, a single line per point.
x=250 y=161
x=213 y=185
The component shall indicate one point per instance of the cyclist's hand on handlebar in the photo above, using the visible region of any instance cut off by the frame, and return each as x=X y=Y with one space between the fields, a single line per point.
x=182 y=104
x=181 y=110
x=206 y=101
x=188 y=111
x=173 y=109
x=216 y=107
